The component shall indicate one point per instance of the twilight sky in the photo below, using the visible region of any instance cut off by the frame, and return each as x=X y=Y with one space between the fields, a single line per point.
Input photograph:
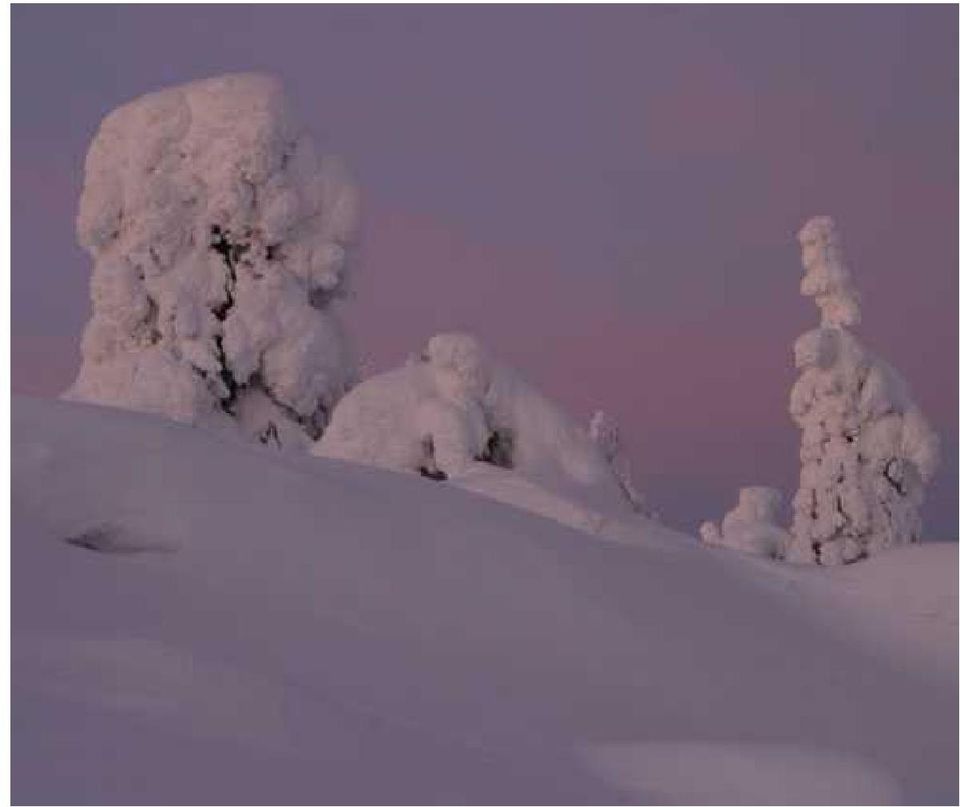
x=606 y=196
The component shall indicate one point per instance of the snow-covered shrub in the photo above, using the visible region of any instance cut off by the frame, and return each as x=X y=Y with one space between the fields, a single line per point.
x=605 y=433
x=453 y=408
x=866 y=450
x=219 y=239
x=751 y=526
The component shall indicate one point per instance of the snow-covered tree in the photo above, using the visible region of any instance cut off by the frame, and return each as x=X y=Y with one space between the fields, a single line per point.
x=866 y=450
x=220 y=245
x=605 y=433
x=424 y=416
x=751 y=526
x=454 y=407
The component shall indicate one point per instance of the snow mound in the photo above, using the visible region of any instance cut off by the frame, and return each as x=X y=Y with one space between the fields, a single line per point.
x=220 y=243
x=380 y=638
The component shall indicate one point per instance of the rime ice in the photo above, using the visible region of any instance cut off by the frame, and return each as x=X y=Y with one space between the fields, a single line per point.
x=220 y=241
x=866 y=450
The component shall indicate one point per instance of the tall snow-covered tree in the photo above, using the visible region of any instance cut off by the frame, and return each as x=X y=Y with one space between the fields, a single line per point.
x=220 y=243
x=866 y=450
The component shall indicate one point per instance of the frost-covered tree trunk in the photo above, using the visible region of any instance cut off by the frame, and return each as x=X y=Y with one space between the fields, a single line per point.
x=219 y=239
x=866 y=451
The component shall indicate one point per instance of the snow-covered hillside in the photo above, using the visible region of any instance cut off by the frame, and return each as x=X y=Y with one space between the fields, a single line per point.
x=199 y=620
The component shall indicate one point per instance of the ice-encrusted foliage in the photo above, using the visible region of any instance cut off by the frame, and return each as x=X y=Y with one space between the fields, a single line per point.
x=220 y=245
x=866 y=450
x=751 y=526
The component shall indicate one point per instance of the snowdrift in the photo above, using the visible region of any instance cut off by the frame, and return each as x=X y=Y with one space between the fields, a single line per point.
x=199 y=620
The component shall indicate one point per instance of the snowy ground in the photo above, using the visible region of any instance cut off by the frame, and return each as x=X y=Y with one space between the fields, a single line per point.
x=196 y=620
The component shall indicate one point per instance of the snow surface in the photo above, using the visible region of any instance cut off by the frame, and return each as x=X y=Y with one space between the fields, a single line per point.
x=196 y=619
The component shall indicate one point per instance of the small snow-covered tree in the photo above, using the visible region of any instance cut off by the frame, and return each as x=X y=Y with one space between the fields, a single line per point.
x=751 y=526
x=605 y=433
x=866 y=450
x=220 y=240
x=452 y=409
x=424 y=416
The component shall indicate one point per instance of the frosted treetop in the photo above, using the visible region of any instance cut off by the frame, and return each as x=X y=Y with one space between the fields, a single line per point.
x=825 y=277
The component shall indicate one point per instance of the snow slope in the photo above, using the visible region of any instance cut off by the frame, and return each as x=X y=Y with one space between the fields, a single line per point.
x=198 y=620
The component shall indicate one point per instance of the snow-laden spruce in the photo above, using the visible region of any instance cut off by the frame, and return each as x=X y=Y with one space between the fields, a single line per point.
x=751 y=526
x=219 y=239
x=866 y=450
x=453 y=409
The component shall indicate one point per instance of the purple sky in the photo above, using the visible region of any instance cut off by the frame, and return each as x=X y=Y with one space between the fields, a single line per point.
x=607 y=196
